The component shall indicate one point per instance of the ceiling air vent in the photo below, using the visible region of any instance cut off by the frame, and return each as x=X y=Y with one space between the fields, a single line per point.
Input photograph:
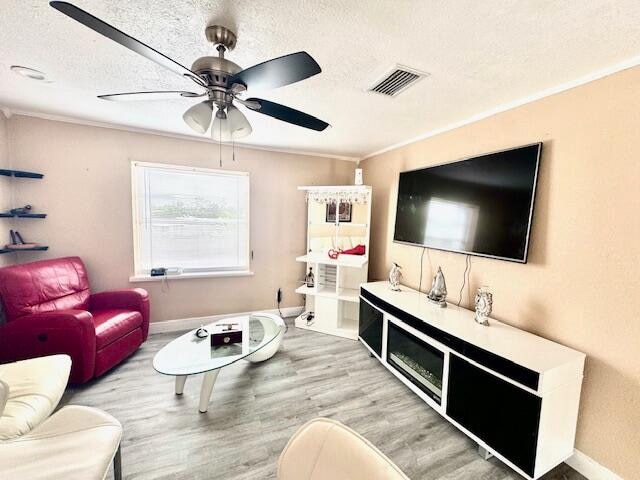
x=396 y=80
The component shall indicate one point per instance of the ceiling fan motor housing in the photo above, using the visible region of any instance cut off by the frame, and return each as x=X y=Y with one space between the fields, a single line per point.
x=216 y=70
x=219 y=35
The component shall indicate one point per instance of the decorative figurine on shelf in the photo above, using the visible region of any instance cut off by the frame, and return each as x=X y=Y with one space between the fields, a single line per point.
x=334 y=253
x=484 y=305
x=394 y=277
x=21 y=211
x=309 y=279
x=18 y=243
x=438 y=292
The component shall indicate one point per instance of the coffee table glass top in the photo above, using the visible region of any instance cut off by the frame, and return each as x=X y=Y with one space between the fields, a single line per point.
x=188 y=355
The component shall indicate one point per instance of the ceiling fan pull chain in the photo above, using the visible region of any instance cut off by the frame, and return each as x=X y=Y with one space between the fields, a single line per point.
x=220 y=143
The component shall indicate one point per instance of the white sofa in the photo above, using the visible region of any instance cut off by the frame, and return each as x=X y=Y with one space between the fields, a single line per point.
x=324 y=449
x=75 y=443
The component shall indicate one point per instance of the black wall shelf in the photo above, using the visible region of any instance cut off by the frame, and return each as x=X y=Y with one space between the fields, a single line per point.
x=23 y=215
x=20 y=174
x=41 y=248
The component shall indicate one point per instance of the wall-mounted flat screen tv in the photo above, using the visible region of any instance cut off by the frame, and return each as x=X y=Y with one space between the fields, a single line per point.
x=479 y=206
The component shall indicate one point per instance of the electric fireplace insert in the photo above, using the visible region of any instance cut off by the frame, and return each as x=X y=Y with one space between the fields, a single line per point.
x=418 y=361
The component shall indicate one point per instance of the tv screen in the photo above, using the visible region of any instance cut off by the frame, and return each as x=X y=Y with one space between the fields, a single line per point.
x=480 y=206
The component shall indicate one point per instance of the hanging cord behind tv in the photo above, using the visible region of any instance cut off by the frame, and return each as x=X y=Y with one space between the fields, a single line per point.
x=467 y=271
x=424 y=249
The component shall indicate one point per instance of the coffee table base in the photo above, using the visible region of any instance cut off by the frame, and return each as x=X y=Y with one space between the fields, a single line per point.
x=208 y=382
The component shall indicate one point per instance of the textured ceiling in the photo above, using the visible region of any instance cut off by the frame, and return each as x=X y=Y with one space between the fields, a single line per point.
x=479 y=55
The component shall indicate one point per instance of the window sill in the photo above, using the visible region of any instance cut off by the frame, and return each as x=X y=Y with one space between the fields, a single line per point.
x=183 y=276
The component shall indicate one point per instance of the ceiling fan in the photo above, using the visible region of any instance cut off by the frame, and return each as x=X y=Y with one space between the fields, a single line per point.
x=219 y=80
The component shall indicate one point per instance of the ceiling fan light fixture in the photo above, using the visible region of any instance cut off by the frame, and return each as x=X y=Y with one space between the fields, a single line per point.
x=238 y=123
x=220 y=129
x=199 y=116
x=230 y=125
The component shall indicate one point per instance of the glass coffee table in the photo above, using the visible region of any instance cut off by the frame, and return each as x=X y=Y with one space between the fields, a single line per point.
x=190 y=355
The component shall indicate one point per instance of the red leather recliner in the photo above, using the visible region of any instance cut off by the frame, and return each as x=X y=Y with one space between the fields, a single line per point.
x=49 y=309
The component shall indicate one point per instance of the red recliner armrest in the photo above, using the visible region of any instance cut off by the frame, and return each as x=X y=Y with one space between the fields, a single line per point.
x=48 y=333
x=131 y=299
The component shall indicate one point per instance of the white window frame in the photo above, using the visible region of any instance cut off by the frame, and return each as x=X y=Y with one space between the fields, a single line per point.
x=142 y=276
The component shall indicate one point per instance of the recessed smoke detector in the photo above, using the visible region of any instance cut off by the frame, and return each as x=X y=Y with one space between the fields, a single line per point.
x=397 y=80
x=31 y=73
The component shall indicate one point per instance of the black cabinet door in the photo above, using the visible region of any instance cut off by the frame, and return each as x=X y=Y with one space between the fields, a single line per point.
x=503 y=415
x=370 y=328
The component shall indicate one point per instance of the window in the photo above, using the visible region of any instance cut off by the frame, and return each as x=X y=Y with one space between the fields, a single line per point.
x=191 y=219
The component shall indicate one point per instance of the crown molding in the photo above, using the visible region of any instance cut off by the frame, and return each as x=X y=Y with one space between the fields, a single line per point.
x=8 y=112
x=591 y=77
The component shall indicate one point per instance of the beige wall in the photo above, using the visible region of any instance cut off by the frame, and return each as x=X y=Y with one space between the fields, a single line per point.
x=5 y=187
x=581 y=285
x=86 y=193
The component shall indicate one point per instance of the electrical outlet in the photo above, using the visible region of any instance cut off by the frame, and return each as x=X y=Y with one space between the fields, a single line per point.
x=279 y=295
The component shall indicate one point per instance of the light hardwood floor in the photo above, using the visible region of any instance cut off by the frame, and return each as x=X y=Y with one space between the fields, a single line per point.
x=255 y=409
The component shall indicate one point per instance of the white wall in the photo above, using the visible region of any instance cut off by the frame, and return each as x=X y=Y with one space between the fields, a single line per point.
x=86 y=193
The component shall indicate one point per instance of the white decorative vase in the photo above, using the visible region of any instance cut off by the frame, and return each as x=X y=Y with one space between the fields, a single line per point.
x=358 y=179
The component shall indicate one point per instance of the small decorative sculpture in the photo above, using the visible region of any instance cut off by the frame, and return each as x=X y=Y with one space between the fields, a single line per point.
x=21 y=210
x=438 y=292
x=18 y=243
x=484 y=305
x=201 y=332
x=394 y=277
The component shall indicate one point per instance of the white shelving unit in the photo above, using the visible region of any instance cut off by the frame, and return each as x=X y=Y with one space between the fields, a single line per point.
x=335 y=296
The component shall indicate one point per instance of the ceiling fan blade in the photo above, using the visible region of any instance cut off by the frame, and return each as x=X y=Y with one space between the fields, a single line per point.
x=103 y=28
x=287 y=114
x=278 y=71
x=154 y=95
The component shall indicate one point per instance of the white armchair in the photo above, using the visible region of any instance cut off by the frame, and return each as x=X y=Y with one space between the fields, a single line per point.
x=324 y=449
x=37 y=445
x=34 y=387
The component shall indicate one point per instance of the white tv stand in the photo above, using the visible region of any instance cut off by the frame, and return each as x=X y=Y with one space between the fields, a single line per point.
x=514 y=393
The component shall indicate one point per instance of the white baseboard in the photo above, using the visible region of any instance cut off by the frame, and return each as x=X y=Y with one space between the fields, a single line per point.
x=194 y=322
x=588 y=467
